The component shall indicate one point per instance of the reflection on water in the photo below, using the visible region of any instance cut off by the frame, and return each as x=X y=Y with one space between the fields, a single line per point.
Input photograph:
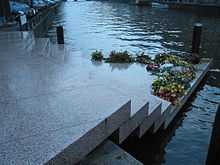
x=91 y=25
x=107 y=26
x=192 y=138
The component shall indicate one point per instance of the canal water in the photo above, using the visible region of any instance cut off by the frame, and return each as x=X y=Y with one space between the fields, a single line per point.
x=106 y=26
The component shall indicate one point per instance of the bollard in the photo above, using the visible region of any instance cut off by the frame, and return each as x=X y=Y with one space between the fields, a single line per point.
x=60 y=35
x=196 y=40
x=5 y=10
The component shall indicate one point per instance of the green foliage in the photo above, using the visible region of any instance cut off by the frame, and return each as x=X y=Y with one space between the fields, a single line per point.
x=97 y=56
x=119 y=57
x=143 y=59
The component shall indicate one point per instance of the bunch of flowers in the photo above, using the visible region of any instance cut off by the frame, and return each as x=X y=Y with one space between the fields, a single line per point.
x=172 y=81
x=169 y=91
x=174 y=73
x=173 y=59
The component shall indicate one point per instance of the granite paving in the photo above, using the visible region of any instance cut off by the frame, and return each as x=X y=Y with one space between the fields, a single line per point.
x=52 y=103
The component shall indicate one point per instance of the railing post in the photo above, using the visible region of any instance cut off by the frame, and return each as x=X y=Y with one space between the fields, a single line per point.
x=60 y=35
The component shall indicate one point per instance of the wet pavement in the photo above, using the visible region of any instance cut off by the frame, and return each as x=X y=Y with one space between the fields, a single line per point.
x=51 y=101
x=108 y=25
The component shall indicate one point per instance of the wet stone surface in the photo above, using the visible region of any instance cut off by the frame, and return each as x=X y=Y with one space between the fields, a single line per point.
x=49 y=102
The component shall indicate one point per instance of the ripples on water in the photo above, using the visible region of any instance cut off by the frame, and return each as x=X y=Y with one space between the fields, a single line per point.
x=91 y=25
x=107 y=26
x=191 y=140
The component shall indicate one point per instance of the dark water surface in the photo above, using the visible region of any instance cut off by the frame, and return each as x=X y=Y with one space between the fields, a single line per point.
x=91 y=25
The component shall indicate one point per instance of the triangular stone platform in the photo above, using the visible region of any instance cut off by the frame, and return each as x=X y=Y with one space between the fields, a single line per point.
x=56 y=105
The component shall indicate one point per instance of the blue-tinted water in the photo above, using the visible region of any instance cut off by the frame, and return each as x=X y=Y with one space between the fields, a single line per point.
x=91 y=25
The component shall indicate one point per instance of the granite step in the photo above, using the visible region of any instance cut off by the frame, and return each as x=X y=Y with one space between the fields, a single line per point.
x=109 y=153
x=165 y=109
x=129 y=126
x=156 y=112
x=93 y=138
x=56 y=139
x=139 y=122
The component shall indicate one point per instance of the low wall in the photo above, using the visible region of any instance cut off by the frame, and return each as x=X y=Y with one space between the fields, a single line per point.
x=193 y=5
x=211 y=3
x=44 y=21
